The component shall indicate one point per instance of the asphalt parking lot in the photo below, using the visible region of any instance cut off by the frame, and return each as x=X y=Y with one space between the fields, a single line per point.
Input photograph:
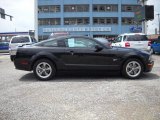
x=78 y=97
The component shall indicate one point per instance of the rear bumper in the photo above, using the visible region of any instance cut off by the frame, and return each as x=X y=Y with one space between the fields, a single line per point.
x=22 y=64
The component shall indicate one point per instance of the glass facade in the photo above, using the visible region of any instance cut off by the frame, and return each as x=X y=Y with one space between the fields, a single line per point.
x=85 y=17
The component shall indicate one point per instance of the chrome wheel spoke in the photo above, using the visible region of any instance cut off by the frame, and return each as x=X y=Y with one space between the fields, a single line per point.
x=48 y=69
x=130 y=71
x=134 y=72
x=45 y=73
x=41 y=72
x=137 y=68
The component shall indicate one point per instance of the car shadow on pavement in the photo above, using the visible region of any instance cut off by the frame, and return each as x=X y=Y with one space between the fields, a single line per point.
x=89 y=77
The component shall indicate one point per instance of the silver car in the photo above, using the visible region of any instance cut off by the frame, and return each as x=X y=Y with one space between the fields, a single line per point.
x=133 y=40
x=19 y=41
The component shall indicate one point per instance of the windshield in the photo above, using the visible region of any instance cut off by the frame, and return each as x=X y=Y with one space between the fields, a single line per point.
x=137 y=38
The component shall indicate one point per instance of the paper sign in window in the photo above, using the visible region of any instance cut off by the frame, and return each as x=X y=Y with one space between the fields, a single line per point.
x=71 y=42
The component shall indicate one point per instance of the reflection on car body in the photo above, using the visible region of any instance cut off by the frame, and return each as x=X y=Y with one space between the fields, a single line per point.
x=80 y=53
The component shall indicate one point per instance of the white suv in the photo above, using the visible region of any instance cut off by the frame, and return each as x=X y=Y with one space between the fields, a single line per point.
x=19 y=41
x=133 y=40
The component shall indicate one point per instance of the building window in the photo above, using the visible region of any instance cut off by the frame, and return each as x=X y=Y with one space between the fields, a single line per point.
x=104 y=20
x=127 y=21
x=76 y=21
x=48 y=8
x=76 y=8
x=115 y=20
x=108 y=21
x=130 y=8
x=42 y=37
x=109 y=37
x=105 y=8
x=49 y=21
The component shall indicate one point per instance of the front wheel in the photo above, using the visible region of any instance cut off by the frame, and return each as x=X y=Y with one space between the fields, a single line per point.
x=44 y=69
x=132 y=68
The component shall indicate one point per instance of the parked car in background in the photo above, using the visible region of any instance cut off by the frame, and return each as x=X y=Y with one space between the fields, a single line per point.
x=133 y=40
x=19 y=41
x=80 y=53
x=4 y=46
x=155 y=46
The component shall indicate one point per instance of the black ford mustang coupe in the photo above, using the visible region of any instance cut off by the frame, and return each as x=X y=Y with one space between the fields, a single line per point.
x=81 y=53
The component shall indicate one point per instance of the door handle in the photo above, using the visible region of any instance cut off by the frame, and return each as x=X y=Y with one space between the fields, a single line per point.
x=71 y=52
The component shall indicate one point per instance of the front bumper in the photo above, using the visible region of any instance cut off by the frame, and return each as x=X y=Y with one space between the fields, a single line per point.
x=149 y=66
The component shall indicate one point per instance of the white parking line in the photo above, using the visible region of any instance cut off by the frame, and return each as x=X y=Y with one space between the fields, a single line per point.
x=4 y=57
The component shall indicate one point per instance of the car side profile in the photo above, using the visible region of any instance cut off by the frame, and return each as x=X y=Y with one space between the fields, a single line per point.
x=19 y=41
x=79 y=53
x=133 y=40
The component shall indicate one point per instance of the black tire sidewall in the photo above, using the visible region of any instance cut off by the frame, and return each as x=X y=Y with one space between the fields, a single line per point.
x=124 y=73
x=52 y=66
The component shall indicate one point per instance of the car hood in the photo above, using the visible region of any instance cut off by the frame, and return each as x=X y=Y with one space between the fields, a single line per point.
x=130 y=50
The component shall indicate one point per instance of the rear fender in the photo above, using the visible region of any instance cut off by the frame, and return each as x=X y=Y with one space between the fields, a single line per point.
x=43 y=55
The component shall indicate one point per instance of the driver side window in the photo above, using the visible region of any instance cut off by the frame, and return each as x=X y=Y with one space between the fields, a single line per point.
x=80 y=43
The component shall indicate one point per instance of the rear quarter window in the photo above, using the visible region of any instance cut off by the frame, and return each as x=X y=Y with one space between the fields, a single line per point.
x=20 y=40
x=137 y=38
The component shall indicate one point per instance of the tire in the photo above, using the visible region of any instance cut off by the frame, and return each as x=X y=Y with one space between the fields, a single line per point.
x=132 y=69
x=152 y=51
x=11 y=58
x=44 y=69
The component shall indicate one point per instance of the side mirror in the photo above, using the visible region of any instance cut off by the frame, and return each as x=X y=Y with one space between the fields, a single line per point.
x=98 y=48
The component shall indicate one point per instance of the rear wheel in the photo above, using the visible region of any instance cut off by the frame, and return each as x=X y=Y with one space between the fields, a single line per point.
x=44 y=69
x=132 y=68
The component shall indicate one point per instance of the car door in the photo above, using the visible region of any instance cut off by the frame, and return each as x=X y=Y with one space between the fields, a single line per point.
x=81 y=53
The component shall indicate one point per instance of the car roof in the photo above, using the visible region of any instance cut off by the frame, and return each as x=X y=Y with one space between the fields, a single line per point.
x=21 y=36
x=132 y=34
x=69 y=36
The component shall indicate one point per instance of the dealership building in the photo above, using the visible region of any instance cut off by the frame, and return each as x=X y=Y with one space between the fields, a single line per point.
x=96 y=18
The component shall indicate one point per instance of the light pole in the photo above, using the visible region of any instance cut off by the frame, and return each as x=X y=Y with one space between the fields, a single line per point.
x=159 y=22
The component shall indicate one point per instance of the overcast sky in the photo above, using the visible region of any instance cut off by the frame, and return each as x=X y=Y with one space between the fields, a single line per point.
x=23 y=13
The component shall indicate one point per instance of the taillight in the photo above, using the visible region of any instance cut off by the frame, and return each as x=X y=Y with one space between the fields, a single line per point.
x=149 y=43
x=127 y=44
x=24 y=62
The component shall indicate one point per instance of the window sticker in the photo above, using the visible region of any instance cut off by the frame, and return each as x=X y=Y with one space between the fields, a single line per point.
x=71 y=42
